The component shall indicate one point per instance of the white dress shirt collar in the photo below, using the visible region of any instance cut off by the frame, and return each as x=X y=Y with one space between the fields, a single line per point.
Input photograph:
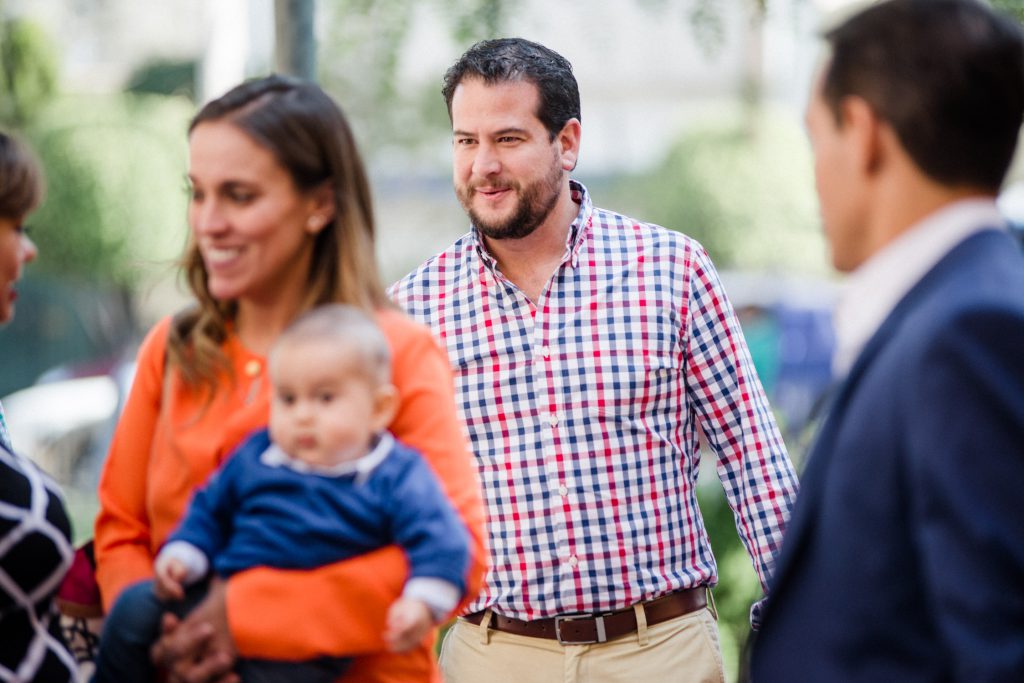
x=274 y=456
x=872 y=291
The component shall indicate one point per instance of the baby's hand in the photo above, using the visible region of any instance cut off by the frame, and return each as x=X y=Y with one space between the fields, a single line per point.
x=409 y=621
x=168 y=581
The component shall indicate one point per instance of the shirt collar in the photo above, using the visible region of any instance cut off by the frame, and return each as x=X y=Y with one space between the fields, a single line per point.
x=362 y=467
x=872 y=291
x=579 y=231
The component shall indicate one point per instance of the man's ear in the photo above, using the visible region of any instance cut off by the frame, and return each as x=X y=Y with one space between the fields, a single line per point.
x=864 y=128
x=568 y=140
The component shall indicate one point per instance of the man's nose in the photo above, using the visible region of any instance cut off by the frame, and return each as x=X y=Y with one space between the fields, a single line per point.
x=486 y=162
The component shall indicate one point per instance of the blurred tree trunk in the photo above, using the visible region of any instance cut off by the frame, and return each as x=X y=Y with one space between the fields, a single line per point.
x=753 y=76
x=295 y=53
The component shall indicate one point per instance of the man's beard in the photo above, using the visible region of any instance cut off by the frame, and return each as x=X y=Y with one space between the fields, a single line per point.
x=535 y=204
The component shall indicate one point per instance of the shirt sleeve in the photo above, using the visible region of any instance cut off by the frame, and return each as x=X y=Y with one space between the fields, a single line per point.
x=192 y=558
x=122 y=533
x=427 y=527
x=726 y=394
x=309 y=605
x=208 y=520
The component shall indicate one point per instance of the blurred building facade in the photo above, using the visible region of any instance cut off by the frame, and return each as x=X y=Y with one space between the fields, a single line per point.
x=644 y=66
x=102 y=43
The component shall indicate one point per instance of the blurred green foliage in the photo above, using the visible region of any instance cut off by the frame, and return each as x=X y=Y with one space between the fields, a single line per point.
x=114 y=163
x=473 y=20
x=1014 y=8
x=737 y=587
x=372 y=33
x=742 y=187
x=28 y=70
x=165 y=77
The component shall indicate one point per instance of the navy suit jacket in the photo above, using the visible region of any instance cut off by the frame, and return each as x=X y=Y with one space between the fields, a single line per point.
x=904 y=558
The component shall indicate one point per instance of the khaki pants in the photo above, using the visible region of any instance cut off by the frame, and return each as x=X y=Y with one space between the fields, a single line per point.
x=684 y=649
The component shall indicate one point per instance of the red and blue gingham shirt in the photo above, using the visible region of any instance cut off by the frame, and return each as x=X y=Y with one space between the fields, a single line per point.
x=584 y=407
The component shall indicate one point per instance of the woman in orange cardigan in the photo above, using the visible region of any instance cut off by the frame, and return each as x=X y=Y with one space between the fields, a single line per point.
x=281 y=221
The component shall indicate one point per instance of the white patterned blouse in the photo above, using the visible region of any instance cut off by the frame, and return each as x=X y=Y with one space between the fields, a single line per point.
x=35 y=553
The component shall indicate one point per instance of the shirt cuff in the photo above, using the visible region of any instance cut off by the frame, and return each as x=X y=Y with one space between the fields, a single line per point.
x=756 y=614
x=440 y=596
x=194 y=559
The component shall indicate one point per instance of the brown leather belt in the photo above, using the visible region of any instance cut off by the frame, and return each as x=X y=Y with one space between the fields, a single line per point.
x=583 y=629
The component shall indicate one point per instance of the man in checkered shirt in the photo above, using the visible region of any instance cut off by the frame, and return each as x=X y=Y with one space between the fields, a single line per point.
x=589 y=352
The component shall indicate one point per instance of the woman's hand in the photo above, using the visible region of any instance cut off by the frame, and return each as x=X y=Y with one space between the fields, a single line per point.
x=199 y=648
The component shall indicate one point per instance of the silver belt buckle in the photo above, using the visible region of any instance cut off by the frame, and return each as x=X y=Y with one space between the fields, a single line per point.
x=598 y=623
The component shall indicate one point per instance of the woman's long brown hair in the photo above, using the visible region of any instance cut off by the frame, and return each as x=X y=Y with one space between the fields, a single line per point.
x=311 y=139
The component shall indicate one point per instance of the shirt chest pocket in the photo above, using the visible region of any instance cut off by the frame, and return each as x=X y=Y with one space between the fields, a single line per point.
x=633 y=379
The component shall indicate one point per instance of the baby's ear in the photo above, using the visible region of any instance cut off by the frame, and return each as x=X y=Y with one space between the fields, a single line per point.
x=385 y=405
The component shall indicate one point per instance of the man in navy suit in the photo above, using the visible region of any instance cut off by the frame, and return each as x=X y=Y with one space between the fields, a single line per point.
x=904 y=559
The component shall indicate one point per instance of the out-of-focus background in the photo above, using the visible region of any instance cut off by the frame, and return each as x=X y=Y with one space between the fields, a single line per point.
x=692 y=118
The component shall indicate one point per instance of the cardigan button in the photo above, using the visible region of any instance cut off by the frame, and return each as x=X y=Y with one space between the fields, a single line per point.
x=253 y=367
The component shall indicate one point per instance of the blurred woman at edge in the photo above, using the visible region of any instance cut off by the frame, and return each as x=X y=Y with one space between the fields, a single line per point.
x=35 y=533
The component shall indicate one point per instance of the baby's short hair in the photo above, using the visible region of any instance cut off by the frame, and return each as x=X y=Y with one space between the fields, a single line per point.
x=352 y=328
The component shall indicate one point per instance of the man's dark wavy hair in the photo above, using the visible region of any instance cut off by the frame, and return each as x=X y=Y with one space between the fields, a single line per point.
x=516 y=59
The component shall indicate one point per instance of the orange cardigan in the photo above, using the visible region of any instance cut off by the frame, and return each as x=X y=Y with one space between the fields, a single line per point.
x=165 y=447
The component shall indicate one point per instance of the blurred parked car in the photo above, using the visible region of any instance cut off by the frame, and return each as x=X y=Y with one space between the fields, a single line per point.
x=65 y=420
x=787 y=322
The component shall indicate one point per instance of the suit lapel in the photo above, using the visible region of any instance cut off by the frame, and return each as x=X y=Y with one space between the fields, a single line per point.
x=812 y=481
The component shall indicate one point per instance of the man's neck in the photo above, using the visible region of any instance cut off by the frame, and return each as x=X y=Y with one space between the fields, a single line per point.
x=528 y=262
x=903 y=206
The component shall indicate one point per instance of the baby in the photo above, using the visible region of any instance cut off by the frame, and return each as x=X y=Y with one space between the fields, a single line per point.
x=324 y=483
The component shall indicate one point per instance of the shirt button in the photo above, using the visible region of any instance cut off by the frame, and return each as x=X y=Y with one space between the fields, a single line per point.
x=563 y=490
x=252 y=368
x=573 y=561
x=545 y=352
x=552 y=419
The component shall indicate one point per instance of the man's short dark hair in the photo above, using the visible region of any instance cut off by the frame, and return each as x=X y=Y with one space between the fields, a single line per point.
x=516 y=59
x=947 y=75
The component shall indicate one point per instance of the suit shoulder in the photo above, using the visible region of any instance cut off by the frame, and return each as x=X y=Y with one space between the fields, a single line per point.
x=982 y=277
